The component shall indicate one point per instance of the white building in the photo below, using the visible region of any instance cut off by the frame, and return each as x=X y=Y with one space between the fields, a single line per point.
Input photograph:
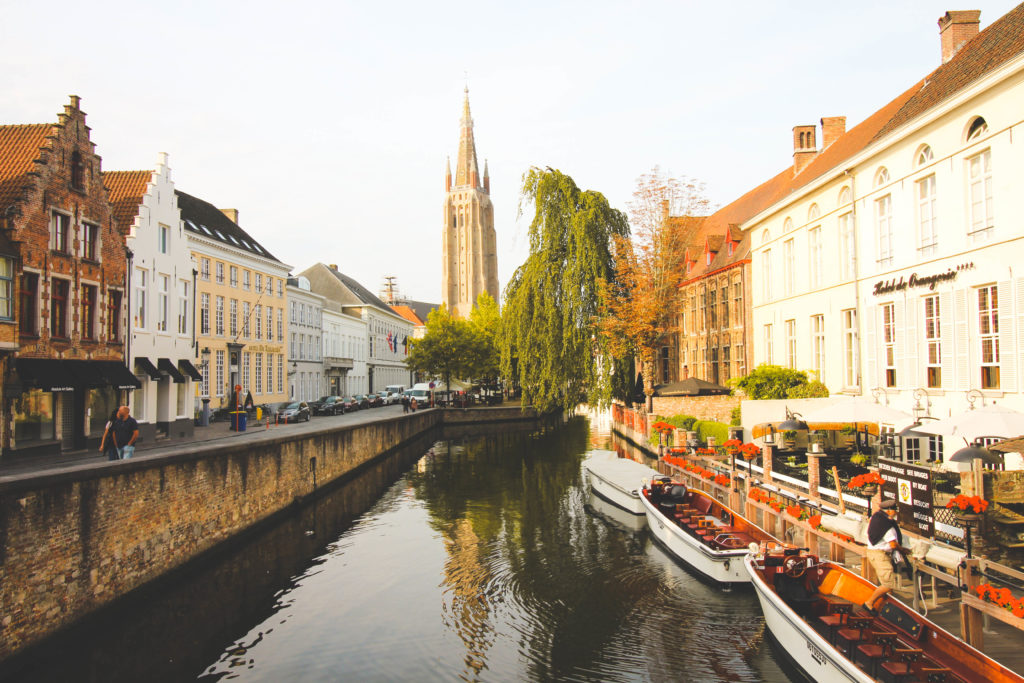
x=387 y=333
x=161 y=349
x=305 y=329
x=345 y=345
x=886 y=265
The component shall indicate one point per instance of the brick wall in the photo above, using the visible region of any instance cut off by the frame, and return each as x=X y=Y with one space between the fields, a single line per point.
x=717 y=408
x=73 y=541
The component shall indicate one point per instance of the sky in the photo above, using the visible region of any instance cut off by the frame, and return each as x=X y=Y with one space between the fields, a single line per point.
x=328 y=124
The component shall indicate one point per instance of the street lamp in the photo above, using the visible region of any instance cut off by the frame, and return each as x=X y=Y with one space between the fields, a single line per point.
x=791 y=423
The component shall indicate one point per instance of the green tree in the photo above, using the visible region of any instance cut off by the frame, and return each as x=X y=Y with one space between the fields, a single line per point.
x=485 y=322
x=549 y=343
x=445 y=350
x=774 y=381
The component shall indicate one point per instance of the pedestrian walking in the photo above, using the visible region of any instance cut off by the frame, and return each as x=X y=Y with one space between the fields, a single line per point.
x=126 y=432
x=412 y=404
x=405 y=404
x=107 y=445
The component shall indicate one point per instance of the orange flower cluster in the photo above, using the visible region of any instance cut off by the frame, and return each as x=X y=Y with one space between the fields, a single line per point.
x=865 y=479
x=689 y=467
x=843 y=537
x=796 y=512
x=762 y=496
x=722 y=480
x=814 y=521
x=962 y=502
x=749 y=451
x=663 y=427
x=1001 y=597
x=732 y=445
x=706 y=451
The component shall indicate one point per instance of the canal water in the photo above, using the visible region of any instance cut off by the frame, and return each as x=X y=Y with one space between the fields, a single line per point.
x=476 y=558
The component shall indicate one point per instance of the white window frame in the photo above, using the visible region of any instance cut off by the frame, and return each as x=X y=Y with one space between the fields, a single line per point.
x=141 y=286
x=848 y=246
x=815 y=249
x=932 y=312
x=883 y=227
x=927 y=222
x=988 y=337
x=163 y=312
x=851 y=348
x=889 y=343
x=789 y=261
x=979 y=193
x=768 y=339
x=818 y=345
x=791 y=344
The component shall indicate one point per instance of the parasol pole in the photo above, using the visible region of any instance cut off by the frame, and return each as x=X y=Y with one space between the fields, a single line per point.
x=839 y=490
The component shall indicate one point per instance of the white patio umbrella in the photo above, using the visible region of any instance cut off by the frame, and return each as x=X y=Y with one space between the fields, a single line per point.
x=985 y=421
x=858 y=409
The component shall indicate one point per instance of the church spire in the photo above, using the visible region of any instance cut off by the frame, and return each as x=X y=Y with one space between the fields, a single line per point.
x=466 y=172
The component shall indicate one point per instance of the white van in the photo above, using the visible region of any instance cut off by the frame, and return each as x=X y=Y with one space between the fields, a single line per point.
x=395 y=389
x=420 y=392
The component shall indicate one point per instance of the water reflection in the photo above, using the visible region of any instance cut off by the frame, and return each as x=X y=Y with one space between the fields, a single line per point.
x=484 y=559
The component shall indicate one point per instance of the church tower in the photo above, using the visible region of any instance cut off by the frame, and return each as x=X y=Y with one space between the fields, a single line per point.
x=468 y=240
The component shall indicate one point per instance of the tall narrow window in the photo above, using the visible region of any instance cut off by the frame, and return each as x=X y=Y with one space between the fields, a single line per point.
x=233 y=319
x=245 y=319
x=6 y=289
x=163 y=303
x=220 y=373
x=889 y=343
x=88 y=312
x=270 y=323
x=851 y=349
x=204 y=269
x=114 y=297
x=77 y=171
x=204 y=385
x=183 y=289
x=737 y=303
x=259 y=282
x=259 y=372
x=725 y=306
x=280 y=372
x=233 y=272
x=766 y=275
x=220 y=316
x=789 y=267
x=933 y=341
x=245 y=370
x=258 y=317
x=141 y=277
x=768 y=344
x=883 y=223
x=725 y=364
x=280 y=326
x=59 y=308
x=220 y=273
x=712 y=309
x=927 y=229
x=847 y=247
x=204 y=313
x=270 y=373
x=245 y=279
x=163 y=239
x=90 y=241
x=979 y=171
x=988 y=333
x=818 y=345
x=815 y=256
x=60 y=227
x=791 y=344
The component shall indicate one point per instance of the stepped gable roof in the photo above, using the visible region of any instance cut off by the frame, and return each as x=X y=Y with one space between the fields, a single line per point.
x=206 y=220
x=126 y=190
x=20 y=147
x=999 y=43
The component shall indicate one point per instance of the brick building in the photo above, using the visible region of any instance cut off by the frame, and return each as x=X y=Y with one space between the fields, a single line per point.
x=62 y=289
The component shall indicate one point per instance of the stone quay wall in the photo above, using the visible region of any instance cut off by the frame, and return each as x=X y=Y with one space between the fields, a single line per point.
x=74 y=540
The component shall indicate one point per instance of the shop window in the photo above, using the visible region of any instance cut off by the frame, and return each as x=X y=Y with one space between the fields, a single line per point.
x=33 y=417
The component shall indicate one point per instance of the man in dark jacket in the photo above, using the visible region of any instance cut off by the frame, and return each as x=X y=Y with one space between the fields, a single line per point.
x=884 y=536
x=126 y=432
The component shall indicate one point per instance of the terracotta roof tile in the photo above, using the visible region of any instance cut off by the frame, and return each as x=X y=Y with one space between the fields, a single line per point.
x=19 y=148
x=990 y=49
x=408 y=314
x=126 y=190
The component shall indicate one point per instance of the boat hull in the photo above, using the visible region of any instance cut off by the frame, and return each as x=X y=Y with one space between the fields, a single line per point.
x=723 y=566
x=803 y=646
x=618 y=480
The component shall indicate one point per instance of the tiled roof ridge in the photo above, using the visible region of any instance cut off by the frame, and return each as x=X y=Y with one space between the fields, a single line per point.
x=209 y=215
x=1000 y=42
x=24 y=148
x=126 y=190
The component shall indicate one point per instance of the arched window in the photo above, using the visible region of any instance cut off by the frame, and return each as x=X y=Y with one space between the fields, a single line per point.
x=845 y=196
x=924 y=155
x=765 y=237
x=882 y=177
x=787 y=225
x=977 y=129
x=813 y=213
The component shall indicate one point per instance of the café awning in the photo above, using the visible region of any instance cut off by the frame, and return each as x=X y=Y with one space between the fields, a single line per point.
x=145 y=365
x=186 y=367
x=48 y=374
x=117 y=374
x=55 y=374
x=165 y=365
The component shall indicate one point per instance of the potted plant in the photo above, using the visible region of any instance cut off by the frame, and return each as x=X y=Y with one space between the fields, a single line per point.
x=867 y=483
x=789 y=438
x=850 y=432
x=859 y=459
x=967 y=508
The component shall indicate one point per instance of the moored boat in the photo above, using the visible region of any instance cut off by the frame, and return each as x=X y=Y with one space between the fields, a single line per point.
x=814 y=608
x=700 y=531
x=618 y=480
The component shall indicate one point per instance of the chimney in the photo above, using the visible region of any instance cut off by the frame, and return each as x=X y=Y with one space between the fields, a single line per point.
x=334 y=267
x=231 y=214
x=805 y=148
x=956 y=28
x=832 y=128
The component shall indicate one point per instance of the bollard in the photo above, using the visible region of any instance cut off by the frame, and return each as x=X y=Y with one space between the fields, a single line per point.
x=268 y=422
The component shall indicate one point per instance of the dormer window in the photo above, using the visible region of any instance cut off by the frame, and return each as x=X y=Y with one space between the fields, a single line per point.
x=77 y=171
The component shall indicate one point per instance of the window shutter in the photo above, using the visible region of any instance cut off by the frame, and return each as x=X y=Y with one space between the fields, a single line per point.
x=912 y=344
x=870 y=349
x=902 y=374
x=961 y=340
x=1007 y=334
x=946 y=330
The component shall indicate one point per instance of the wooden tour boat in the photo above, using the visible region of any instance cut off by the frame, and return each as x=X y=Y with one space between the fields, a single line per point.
x=700 y=531
x=814 y=609
x=618 y=480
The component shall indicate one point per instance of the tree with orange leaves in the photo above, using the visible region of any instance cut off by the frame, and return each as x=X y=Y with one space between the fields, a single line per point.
x=639 y=304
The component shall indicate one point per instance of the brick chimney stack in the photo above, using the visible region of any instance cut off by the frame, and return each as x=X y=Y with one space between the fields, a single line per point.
x=805 y=147
x=956 y=28
x=232 y=214
x=832 y=128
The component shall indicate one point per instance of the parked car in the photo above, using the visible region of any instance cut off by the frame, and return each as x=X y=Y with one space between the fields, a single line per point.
x=376 y=400
x=391 y=397
x=298 y=411
x=328 y=405
x=362 y=401
x=350 y=404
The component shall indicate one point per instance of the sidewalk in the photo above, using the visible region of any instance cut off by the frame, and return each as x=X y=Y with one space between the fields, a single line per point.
x=218 y=431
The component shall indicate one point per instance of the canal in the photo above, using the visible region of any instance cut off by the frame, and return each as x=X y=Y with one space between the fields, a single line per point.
x=476 y=558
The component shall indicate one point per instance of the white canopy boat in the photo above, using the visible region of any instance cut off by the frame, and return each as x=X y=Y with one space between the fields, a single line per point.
x=618 y=480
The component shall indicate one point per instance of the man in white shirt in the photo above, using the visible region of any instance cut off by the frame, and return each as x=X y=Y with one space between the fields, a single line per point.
x=883 y=537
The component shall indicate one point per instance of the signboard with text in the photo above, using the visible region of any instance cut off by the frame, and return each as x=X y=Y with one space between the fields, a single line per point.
x=911 y=487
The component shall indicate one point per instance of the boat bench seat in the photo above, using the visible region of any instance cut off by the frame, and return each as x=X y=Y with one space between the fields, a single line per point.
x=701 y=505
x=867 y=655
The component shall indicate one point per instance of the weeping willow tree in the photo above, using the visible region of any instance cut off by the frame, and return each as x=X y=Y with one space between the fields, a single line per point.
x=549 y=345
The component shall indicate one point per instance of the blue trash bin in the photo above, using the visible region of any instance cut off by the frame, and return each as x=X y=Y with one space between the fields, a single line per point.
x=238 y=420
